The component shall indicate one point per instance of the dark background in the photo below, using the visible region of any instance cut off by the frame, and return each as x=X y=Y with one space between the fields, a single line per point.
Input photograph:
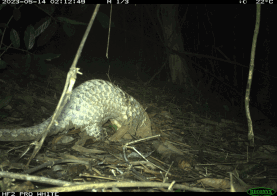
x=224 y=32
